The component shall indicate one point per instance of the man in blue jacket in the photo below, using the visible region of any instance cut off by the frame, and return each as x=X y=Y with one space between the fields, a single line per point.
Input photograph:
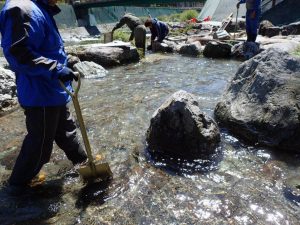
x=34 y=50
x=159 y=30
x=252 y=17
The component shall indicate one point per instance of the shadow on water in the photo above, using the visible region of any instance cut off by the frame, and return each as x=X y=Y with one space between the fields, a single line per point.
x=290 y=157
x=271 y=157
x=177 y=165
x=93 y=193
x=33 y=206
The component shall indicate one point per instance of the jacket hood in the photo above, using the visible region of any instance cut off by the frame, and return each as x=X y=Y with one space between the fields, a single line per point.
x=154 y=21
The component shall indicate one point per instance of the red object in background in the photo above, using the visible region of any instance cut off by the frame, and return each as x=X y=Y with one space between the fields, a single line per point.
x=206 y=19
x=193 y=20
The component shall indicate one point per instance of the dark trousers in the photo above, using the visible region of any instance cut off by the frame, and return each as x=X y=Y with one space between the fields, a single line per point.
x=44 y=126
x=252 y=26
x=140 y=37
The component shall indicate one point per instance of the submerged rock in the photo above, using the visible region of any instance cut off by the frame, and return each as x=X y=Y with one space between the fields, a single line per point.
x=8 y=93
x=262 y=103
x=179 y=128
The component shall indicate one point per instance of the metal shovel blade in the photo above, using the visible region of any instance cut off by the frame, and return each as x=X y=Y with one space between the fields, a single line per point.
x=91 y=172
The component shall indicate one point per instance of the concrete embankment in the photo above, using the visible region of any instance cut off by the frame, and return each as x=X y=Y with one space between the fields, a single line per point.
x=110 y=14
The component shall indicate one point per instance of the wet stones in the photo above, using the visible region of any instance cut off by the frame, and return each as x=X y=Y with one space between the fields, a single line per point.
x=292 y=189
x=90 y=70
x=264 y=26
x=262 y=103
x=193 y=49
x=8 y=93
x=268 y=29
x=245 y=50
x=106 y=55
x=272 y=31
x=161 y=47
x=72 y=60
x=291 y=29
x=217 y=49
x=179 y=128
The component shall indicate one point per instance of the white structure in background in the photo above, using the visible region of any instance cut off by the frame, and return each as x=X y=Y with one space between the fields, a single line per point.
x=218 y=10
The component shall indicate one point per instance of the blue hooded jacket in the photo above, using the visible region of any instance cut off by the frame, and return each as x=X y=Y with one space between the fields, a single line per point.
x=34 y=50
x=159 y=30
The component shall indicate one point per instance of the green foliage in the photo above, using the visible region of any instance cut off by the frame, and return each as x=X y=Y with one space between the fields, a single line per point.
x=179 y=17
x=188 y=14
x=180 y=31
x=297 y=51
x=87 y=42
x=121 y=35
x=170 y=18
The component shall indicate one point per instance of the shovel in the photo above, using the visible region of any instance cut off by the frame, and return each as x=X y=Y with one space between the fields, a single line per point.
x=92 y=170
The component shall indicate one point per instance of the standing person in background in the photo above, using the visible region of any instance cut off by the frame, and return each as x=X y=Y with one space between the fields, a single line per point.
x=138 y=30
x=252 y=17
x=34 y=50
x=159 y=30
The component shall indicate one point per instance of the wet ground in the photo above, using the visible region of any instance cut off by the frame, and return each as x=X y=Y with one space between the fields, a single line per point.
x=249 y=185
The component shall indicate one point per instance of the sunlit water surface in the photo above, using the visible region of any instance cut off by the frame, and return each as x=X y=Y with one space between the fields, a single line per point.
x=246 y=188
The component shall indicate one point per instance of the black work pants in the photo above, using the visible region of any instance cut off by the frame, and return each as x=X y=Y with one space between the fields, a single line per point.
x=44 y=126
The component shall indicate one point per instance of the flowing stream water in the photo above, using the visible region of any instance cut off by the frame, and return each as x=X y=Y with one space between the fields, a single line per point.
x=247 y=187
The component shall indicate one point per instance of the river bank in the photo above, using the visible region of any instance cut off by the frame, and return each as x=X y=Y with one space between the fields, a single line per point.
x=249 y=185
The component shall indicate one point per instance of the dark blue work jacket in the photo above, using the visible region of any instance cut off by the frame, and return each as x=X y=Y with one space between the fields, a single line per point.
x=34 y=50
x=159 y=30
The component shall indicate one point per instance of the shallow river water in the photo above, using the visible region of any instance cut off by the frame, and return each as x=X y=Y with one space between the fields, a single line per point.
x=247 y=187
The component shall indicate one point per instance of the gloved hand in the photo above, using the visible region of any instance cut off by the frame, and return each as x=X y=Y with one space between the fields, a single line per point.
x=66 y=74
x=238 y=5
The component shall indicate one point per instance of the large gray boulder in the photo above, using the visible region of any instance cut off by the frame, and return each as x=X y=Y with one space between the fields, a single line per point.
x=8 y=95
x=106 y=55
x=262 y=103
x=179 y=128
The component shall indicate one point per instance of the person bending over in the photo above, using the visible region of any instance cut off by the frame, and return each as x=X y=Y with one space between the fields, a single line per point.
x=159 y=30
x=138 y=30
